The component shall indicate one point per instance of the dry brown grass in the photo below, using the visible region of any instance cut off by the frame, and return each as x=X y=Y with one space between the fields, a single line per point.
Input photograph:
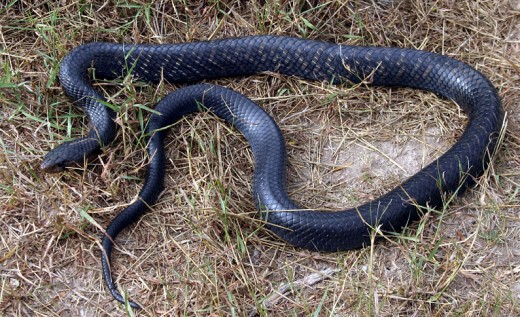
x=202 y=251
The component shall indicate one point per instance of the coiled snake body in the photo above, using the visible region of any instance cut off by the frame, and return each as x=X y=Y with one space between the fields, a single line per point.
x=313 y=60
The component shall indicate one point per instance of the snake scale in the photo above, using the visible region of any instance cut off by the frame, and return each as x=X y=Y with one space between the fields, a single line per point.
x=309 y=59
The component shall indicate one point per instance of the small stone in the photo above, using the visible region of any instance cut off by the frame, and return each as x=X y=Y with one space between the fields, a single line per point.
x=516 y=290
x=515 y=4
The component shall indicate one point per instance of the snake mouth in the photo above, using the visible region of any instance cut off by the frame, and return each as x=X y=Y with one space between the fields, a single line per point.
x=59 y=159
x=48 y=167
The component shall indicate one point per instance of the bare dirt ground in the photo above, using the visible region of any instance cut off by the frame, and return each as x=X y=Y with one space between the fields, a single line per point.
x=202 y=251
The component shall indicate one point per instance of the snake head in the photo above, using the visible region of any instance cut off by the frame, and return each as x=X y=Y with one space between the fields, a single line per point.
x=53 y=164
x=69 y=154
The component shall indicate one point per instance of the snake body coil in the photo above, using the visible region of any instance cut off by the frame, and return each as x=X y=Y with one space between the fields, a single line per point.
x=313 y=60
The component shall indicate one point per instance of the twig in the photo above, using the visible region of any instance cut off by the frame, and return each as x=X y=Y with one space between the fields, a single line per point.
x=288 y=288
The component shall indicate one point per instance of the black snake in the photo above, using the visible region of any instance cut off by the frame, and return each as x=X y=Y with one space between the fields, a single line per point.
x=313 y=60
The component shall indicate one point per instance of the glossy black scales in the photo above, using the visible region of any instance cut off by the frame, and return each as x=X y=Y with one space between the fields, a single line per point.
x=313 y=60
